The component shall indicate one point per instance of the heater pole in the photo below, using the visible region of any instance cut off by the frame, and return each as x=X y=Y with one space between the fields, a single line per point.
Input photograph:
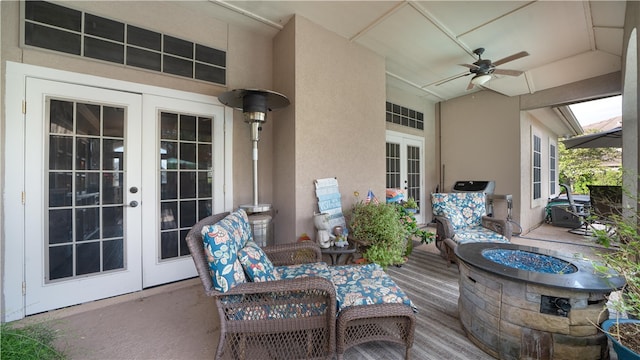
x=255 y=173
x=255 y=104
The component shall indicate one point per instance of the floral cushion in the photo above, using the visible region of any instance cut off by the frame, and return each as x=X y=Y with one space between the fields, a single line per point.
x=364 y=285
x=478 y=234
x=464 y=209
x=304 y=270
x=237 y=224
x=256 y=264
x=221 y=252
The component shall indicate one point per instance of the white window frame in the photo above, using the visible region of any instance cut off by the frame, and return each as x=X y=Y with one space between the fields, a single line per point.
x=554 y=168
x=534 y=200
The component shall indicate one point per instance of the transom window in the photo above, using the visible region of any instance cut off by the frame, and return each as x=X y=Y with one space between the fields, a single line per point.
x=58 y=28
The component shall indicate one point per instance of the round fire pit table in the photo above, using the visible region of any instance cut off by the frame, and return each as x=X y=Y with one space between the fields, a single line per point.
x=522 y=302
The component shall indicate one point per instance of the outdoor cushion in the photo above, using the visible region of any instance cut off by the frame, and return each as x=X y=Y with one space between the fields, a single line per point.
x=463 y=209
x=365 y=285
x=304 y=270
x=256 y=264
x=237 y=224
x=478 y=234
x=221 y=252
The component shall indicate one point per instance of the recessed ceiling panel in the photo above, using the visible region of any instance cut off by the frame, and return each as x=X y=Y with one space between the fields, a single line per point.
x=609 y=40
x=576 y=68
x=393 y=82
x=608 y=13
x=460 y=17
x=509 y=85
x=416 y=45
x=548 y=30
x=346 y=18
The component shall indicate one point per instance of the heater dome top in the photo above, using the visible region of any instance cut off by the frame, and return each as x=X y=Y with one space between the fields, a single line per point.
x=253 y=100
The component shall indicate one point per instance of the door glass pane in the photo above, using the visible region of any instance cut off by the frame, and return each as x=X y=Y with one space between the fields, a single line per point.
x=61 y=117
x=186 y=186
x=87 y=153
x=87 y=188
x=413 y=173
x=60 y=152
x=88 y=117
x=60 y=189
x=113 y=121
x=393 y=166
x=85 y=212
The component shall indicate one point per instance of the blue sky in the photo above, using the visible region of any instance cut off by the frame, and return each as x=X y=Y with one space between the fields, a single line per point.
x=590 y=112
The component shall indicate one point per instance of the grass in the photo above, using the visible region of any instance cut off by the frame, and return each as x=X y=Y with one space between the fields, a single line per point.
x=29 y=342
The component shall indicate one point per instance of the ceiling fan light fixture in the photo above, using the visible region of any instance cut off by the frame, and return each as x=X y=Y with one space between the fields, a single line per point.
x=480 y=79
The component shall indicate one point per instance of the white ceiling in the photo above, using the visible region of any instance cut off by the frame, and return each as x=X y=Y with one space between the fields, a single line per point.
x=424 y=41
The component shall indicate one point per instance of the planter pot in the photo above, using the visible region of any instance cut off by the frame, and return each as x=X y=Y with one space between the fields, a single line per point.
x=413 y=211
x=624 y=353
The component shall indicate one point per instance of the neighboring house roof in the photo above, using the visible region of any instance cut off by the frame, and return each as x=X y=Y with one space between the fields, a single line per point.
x=604 y=125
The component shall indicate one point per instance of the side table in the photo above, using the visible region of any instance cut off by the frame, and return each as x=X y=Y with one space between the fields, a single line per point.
x=336 y=252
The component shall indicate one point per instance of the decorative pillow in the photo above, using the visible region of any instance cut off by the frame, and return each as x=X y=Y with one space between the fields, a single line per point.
x=221 y=252
x=256 y=263
x=237 y=224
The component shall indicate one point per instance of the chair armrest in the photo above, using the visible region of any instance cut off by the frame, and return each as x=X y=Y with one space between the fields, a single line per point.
x=444 y=228
x=294 y=253
x=498 y=225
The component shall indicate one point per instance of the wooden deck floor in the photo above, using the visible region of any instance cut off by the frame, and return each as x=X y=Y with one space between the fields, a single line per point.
x=177 y=321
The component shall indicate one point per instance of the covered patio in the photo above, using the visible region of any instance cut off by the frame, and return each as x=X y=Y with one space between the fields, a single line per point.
x=176 y=321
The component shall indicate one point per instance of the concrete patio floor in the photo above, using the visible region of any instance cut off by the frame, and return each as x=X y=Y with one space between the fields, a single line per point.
x=176 y=321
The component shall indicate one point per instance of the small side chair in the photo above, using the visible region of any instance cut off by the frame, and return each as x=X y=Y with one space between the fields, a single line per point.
x=462 y=218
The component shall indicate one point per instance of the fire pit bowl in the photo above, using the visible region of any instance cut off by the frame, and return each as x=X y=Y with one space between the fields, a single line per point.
x=521 y=302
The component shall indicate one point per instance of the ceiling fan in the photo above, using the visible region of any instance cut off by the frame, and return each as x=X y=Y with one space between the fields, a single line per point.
x=483 y=68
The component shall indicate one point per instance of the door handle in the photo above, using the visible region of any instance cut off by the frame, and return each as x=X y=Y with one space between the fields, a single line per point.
x=133 y=203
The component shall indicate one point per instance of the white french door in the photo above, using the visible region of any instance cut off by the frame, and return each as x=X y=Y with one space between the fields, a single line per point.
x=82 y=207
x=405 y=167
x=183 y=176
x=113 y=181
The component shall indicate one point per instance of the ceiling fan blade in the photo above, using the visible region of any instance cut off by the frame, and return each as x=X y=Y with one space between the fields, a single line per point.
x=470 y=66
x=507 y=72
x=452 y=78
x=511 y=58
x=470 y=86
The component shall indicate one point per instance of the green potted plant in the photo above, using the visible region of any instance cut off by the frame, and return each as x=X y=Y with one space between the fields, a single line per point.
x=377 y=228
x=411 y=205
x=408 y=220
x=624 y=259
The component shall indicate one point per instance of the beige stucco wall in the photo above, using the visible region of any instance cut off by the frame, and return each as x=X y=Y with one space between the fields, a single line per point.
x=487 y=137
x=480 y=139
x=339 y=125
x=532 y=212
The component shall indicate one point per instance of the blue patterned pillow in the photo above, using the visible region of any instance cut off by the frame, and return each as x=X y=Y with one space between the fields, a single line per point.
x=256 y=263
x=237 y=224
x=221 y=252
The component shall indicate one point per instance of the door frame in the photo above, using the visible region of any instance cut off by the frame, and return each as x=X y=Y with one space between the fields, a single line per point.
x=155 y=271
x=392 y=136
x=14 y=197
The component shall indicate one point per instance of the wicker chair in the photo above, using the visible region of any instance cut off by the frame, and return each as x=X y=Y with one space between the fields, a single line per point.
x=461 y=218
x=244 y=333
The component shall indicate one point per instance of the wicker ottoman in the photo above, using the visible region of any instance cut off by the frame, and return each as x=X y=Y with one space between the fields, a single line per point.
x=378 y=322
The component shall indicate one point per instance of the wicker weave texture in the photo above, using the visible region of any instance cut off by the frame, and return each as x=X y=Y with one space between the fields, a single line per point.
x=380 y=322
x=254 y=320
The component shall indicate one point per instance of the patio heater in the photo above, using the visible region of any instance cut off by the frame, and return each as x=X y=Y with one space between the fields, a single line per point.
x=254 y=104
